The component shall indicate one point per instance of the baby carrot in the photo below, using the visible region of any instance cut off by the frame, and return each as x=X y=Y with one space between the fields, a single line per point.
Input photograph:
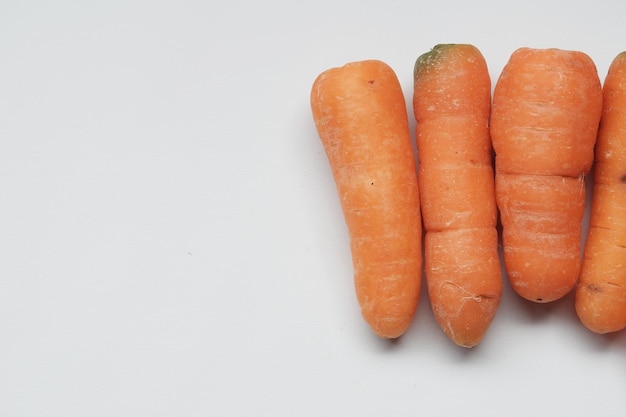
x=546 y=109
x=451 y=103
x=361 y=118
x=601 y=294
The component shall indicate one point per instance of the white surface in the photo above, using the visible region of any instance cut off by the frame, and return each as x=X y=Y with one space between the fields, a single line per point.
x=170 y=239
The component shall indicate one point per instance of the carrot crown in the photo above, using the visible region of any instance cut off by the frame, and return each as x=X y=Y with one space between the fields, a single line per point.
x=430 y=58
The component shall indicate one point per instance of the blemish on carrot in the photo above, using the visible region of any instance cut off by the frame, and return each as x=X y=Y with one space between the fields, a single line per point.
x=594 y=288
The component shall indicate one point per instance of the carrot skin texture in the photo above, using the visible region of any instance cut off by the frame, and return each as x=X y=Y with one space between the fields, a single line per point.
x=601 y=293
x=361 y=118
x=451 y=104
x=546 y=109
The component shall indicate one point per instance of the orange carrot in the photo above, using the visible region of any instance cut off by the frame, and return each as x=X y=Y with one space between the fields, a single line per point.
x=451 y=103
x=546 y=109
x=361 y=118
x=601 y=294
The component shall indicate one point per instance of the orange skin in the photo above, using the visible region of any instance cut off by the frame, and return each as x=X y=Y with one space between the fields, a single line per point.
x=360 y=114
x=546 y=109
x=451 y=103
x=601 y=294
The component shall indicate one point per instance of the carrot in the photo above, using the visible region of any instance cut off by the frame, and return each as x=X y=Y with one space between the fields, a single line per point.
x=361 y=118
x=601 y=294
x=545 y=114
x=451 y=104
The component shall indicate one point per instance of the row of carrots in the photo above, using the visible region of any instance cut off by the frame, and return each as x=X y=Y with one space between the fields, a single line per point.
x=550 y=119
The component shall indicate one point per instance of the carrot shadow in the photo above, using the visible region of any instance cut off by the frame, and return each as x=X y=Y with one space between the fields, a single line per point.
x=386 y=346
x=538 y=312
x=604 y=342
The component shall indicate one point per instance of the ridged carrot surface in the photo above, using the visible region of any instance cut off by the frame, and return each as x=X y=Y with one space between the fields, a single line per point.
x=451 y=103
x=546 y=109
x=361 y=118
x=601 y=294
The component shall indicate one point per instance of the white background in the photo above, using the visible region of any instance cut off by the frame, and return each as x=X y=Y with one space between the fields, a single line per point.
x=171 y=243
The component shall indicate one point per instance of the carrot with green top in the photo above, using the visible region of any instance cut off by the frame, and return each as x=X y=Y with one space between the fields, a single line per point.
x=361 y=118
x=601 y=293
x=451 y=103
x=545 y=114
